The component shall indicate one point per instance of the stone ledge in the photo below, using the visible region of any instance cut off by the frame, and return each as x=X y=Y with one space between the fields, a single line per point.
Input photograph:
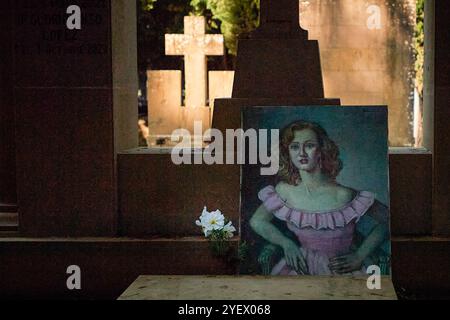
x=256 y=288
x=167 y=150
x=112 y=240
x=8 y=207
x=217 y=186
x=424 y=239
x=155 y=194
x=9 y=221
x=421 y=265
x=36 y=268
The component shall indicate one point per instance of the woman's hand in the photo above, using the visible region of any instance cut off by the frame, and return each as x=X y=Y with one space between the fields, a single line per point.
x=266 y=257
x=346 y=263
x=294 y=257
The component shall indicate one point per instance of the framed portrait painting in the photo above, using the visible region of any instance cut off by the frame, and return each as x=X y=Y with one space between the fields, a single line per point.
x=325 y=209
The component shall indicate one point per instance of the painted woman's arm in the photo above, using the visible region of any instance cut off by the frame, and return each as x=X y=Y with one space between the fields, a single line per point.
x=261 y=223
x=352 y=262
x=379 y=214
x=375 y=238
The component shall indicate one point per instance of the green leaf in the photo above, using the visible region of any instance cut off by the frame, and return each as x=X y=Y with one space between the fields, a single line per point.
x=148 y=5
x=230 y=17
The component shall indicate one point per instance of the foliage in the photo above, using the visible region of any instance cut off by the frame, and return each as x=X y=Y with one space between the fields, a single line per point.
x=147 y=5
x=243 y=251
x=155 y=19
x=419 y=45
x=230 y=17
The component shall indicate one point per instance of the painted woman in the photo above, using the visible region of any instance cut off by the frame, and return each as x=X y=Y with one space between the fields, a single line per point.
x=322 y=214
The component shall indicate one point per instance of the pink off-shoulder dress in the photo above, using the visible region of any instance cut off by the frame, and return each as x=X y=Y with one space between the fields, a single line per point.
x=322 y=235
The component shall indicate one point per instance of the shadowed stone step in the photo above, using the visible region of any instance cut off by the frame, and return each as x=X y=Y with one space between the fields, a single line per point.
x=36 y=268
x=8 y=207
x=158 y=197
x=421 y=265
x=8 y=221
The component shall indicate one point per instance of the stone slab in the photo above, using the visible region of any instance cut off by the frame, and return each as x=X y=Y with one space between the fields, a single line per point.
x=71 y=121
x=164 y=101
x=441 y=163
x=410 y=180
x=363 y=65
x=36 y=268
x=124 y=73
x=441 y=121
x=227 y=112
x=188 y=117
x=256 y=288
x=150 y=202
x=8 y=207
x=8 y=221
x=220 y=86
x=65 y=162
x=271 y=68
x=157 y=197
x=50 y=55
x=421 y=265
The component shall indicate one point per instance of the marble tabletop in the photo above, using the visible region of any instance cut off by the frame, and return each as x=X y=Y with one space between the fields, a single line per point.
x=256 y=288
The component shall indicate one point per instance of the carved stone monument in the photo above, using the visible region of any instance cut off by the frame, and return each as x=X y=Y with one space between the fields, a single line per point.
x=194 y=45
x=276 y=65
x=166 y=110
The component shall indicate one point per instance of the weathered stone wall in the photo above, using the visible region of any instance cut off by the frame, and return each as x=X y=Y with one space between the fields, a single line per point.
x=72 y=98
x=366 y=63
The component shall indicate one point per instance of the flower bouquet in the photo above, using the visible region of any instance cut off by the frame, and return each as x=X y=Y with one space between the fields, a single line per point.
x=217 y=229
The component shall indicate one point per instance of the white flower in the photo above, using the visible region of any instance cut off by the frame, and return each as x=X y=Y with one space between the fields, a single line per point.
x=229 y=229
x=202 y=219
x=215 y=220
x=202 y=222
x=210 y=221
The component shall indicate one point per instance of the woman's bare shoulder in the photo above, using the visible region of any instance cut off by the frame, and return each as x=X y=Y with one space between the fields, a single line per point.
x=282 y=188
x=344 y=194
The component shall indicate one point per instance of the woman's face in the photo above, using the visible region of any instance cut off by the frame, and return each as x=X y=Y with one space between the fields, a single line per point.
x=304 y=150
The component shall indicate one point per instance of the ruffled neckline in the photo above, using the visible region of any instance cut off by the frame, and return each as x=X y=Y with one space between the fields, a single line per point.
x=330 y=219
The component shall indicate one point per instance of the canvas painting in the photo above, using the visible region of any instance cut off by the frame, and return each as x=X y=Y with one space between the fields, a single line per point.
x=325 y=210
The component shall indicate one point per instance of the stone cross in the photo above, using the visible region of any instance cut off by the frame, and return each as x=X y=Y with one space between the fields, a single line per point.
x=195 y=45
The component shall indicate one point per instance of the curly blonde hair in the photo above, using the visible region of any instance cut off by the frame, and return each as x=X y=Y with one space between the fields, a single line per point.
x=331 y=165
